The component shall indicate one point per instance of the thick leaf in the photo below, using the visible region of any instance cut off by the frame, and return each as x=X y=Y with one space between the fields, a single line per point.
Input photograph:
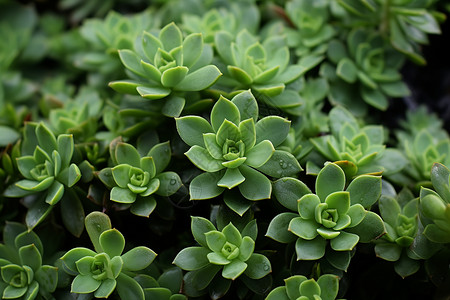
x=237 y=203
x=329 y=180
x=305 y=229
x=8 y=136
x=138 y=258
x=224 y=109
x=365 y=190
x=171 y=36
x=30 y=256
x=201 y=158
x=278 y=228
x=310 y=250
x=440 y=175
x=199 y=79
x=192 y=128
x=247 y=105
x=153 y=93
x=256 y=185
x=259 y=154
x=122 y=195
x=232 y=178
x=192 y=258
x=346 y=70
x=388 y=251
x=370 y=228
x=204 y=186
x=54 y=193
x=170 y=182
x=46 y=138
x=288 y=191
x=47 y=277
x=72 y=213
x=171 y=77
x=112 y=242
x=132 y=62
x=106 y=288
x=84 y=284
x=37 y=213
x=272 y=128
x=200 y=226
x=258 y=266
x=234 y=269
x=127 y=154
x=329 y=286
x=173 y=106
x=143 y=206
x=96 y=223
x=128 y=288
x=344 y=241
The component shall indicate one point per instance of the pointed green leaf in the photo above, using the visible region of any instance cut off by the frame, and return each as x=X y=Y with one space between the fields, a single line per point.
x=192 y=49
x=223 y=110
x=305 y=229
x=122 y=195
x=259 y=154
x=344 y=241
x=256 y=185
x=330 y=179
x=138 y=258
x=234 y=269
x=288 y=191
x=192 y=258
x=310 y=249
x=96 y=223
x=192 y=128
x=232 y=178
x=171 y=36
x=272 y=128
x=202 y=159
x=278 y=228
x=199 y=79
x=128 y=288
x=204 y=186
x=258 y=266
x=153 y=93
x=171 y=77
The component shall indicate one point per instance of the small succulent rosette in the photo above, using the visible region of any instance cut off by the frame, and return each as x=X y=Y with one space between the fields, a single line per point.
x=136 y=179
x=298 y=287
x=23 y=276
x=406 y=23
x=400 y=216
x=357 y=149
x=434 y=206
x=334 y=217
x=166 y=66
x=46 y=167
x=228 y=250
x=367 y=68
x=312 y=26
x=236 y=149
x=105 y=270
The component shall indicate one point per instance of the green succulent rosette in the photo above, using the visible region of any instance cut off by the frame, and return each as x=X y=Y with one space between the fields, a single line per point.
x=23 y=275
x=136 y=179
x=235 y=149
x=167 y=66
x=106 y=269
x=406 y=23
x=357 y=149
x=232 y=19
x=312 y=26
x=400 y=216
x=46 y=166
x=228 y=250
x=435 y=206
x=370 y=65
x=105 y=37
x=334 y=215
x=298 y=287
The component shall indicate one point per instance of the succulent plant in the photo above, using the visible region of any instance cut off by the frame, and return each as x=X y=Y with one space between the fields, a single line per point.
x=298 y=287
x=261 y=66
x=228 y=250
x=227 y=19
x=46 y=165
x=400 y=216
x=106 y=269
x=312 y=26
x=23 y=276
x=105 y=37
x=235 y=148
x=405 y=23
x=168 y=65
x=135 y=179
x=360 y=150
x=332 y=214
x=435 y=206
x=370 y=64
x=422 y=146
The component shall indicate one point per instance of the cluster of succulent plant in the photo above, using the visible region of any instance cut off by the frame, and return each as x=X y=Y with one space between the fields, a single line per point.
x=251 y=144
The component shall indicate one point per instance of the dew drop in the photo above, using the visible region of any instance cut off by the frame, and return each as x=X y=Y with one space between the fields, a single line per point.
x=266 y=267
x=283 y=164
x=173 y=181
